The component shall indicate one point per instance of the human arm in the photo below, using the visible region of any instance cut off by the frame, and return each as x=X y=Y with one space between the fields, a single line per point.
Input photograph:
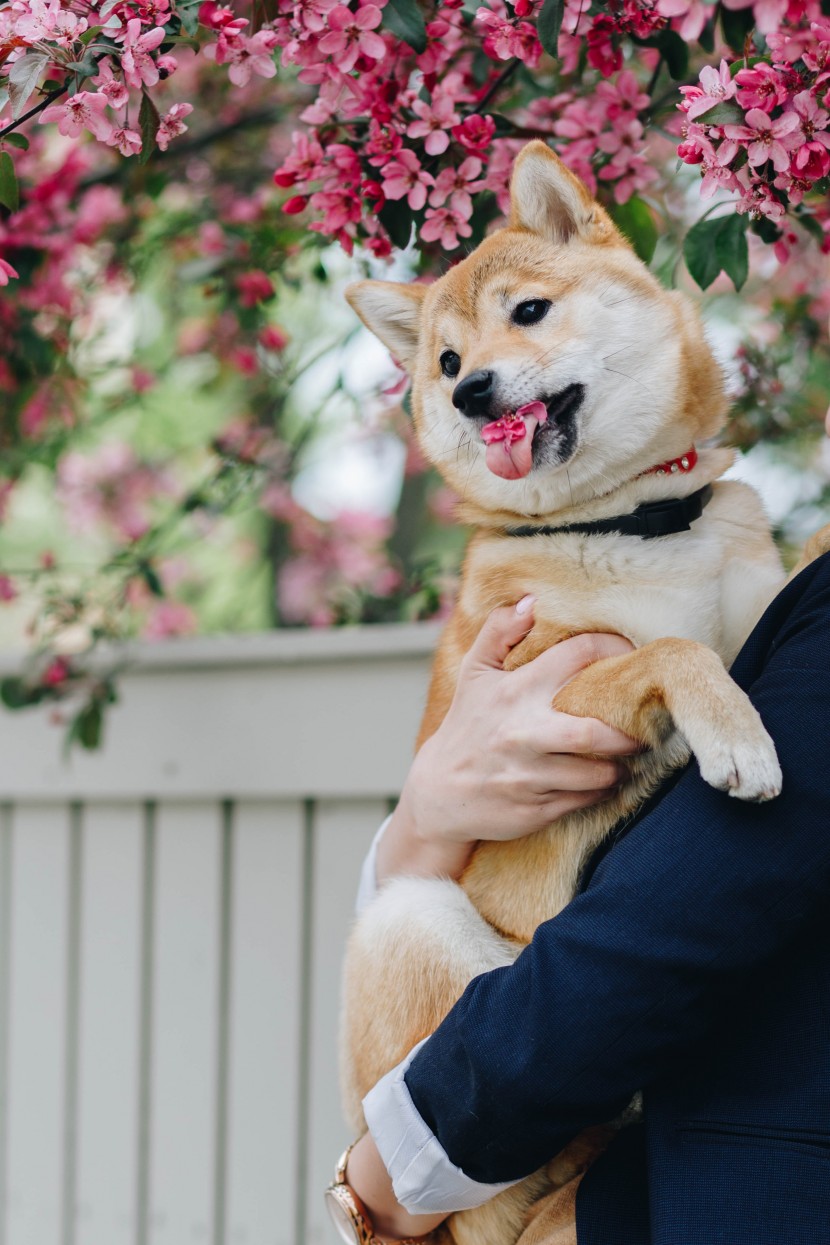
x=684 y=911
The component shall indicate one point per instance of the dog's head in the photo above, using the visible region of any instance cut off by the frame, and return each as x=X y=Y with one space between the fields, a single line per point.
x=554 y=313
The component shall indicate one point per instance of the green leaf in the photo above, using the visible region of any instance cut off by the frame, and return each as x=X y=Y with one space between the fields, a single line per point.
x=706 y=38
x=23 y=78
x=636 y=220
x=548 y=25
x=405 y=19
x=736 y=24
x=151 y=579
x=732 y=250
x=16 y=694
x=675 y=53
x=88 y=727
x=17 y=140
x=9 y=189
x=716 y=245
x=188 y=14
x=396 y=218
x=148 y=124
x=726 y=113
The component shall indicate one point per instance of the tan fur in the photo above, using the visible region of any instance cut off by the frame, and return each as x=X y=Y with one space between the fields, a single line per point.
x=686 y=602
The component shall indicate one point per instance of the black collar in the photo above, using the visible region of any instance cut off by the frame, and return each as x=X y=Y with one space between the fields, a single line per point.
x=653 y=518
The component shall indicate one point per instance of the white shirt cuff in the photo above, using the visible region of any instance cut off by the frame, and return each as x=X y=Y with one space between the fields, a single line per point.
x=424 y=1179
x=367 y=887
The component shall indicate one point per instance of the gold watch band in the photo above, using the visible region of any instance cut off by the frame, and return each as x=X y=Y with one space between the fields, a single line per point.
x=362 y=1222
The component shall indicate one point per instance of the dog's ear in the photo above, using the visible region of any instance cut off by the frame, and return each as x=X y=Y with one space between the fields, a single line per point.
x=393 y=312
x=550 y=200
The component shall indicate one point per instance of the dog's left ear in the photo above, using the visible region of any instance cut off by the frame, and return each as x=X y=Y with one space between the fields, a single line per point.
x=393 y=312
x=550 y=200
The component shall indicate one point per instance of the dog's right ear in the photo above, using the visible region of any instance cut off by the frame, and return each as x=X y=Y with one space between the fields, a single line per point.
x=393 y=312
x=548 y=199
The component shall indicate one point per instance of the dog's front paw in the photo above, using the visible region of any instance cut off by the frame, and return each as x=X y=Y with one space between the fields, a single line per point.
x=737 y=755
x=743 y=762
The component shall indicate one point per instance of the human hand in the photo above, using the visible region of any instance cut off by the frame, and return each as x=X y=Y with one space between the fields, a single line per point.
x=369 y=1179
x=504 y=763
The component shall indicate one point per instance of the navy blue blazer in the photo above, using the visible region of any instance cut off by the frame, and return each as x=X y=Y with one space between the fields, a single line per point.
x=694 y=965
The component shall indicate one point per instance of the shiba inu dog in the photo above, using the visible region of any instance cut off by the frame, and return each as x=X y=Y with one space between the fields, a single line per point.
x=564 y=395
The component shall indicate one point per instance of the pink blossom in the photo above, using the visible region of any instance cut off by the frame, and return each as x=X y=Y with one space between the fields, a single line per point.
x=255 y=55
x=171 y=124
x=383 y=144
x=82 y=111
x=457 y=186
x=504 y=40
x=48 y=21
x=716 y=85
x=113 y=88
x=435 y=120
x=760 y=87
x=688 y=17
x=136 y=60
x=444 y=225
x=254 y=287
x=404 y=178
x=8 y=592
x=475 y=132
x=7 y=272
x=128 y=142
x=765 y=139
x=169 y=618
x=351 y=35
x=304 y=162
x=273 y=338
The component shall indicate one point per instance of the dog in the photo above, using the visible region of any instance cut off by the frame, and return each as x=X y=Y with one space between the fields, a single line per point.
x=564 y=395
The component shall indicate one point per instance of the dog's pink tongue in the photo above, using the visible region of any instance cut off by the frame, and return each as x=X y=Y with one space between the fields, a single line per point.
x=509 y=441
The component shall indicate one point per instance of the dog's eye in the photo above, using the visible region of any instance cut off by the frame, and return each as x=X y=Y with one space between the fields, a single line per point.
x=531 y=312
x=450 y=363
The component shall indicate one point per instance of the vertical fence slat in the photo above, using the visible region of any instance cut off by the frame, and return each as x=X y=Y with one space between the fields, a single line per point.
x=184 y=1023
x=342 y=834
x=263 y=1031
x=37 y=1027
x=108 y=1027
x=5 y=964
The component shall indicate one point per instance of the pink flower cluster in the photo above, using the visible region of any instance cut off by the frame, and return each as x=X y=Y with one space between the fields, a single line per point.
x=110 y=488
x=122 y=60
x=332 y=565
x=761 y=132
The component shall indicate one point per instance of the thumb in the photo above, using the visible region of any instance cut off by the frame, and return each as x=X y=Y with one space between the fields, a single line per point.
x=503 y=630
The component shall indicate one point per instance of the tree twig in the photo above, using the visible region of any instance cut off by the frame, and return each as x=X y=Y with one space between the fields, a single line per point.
x=27 y=116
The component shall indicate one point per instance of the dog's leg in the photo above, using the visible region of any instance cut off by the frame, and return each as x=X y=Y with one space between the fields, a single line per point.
x=818 y=544
x=680 y=683
x=410 y=957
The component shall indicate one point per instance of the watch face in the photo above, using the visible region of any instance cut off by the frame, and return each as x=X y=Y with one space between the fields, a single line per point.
x=342 y=1220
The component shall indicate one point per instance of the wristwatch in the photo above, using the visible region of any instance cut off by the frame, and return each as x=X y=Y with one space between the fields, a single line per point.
x=349 y=1215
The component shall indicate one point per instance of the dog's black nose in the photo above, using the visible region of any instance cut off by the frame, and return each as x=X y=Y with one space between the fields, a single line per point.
x=473 y=395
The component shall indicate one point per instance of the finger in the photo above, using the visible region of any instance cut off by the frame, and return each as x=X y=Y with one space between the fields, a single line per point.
x=568 y=734
x=558 y=665
x=576 y=773
x=503 y=630
x=568 y=802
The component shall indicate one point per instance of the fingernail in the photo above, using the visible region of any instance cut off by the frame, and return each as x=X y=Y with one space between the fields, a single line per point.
x=526 y=604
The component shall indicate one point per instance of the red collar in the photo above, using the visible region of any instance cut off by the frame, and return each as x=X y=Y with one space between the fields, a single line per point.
x=683 y=464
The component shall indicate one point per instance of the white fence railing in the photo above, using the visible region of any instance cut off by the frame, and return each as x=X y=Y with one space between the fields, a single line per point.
x=172 y=917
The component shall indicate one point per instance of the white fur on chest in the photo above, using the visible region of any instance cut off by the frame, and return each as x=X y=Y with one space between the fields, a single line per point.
x=709 y=584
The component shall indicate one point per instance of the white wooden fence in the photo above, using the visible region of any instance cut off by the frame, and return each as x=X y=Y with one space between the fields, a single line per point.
x=172 y=917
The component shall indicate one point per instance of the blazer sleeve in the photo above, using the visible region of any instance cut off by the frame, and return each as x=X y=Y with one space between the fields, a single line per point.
x=698 y=897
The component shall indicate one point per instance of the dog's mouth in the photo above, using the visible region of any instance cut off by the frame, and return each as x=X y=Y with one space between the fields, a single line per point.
x=514 y=442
